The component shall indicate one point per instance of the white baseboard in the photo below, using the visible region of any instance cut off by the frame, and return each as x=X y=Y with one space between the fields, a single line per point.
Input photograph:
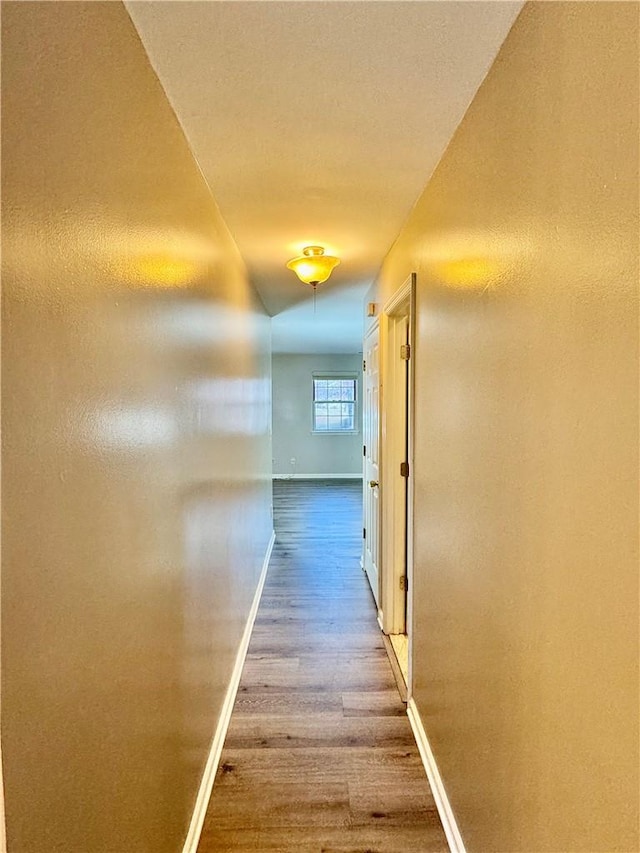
x=211 y=767
x=317 y=476
x=454 y=838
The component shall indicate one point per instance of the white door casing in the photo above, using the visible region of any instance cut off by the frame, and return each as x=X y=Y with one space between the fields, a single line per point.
x=396 y=555
x=371 y=471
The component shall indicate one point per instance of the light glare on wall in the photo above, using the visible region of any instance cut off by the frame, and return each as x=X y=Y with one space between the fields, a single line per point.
x=166 y=271
x=468 y=273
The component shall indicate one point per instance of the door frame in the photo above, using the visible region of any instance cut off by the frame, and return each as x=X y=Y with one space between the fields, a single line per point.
x=397 y=500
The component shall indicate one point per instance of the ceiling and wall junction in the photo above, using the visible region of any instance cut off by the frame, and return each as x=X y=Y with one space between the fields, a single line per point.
x=319 y=123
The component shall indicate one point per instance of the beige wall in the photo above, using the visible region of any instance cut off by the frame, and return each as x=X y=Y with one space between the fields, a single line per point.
x=525 y=245
x=293 y=438
x=136 y=466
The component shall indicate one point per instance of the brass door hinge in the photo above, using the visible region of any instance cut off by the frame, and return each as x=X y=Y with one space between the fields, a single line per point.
x=404 y=469
x=404 y=584
x=405 y=352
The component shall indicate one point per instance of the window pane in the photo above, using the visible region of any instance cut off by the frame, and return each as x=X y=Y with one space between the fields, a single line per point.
x=348 y=416
x=334 y=389
x=320 y=416
x=348 y=389
x=319 y=389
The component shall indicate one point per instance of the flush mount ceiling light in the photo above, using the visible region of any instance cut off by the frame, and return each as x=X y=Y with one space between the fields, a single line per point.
x=313 y=267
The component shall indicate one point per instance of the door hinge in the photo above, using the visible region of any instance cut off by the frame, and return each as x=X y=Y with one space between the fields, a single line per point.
x=364 y=532
x=405 y=352
x=364 y=365
x=404 y=584
x=364 y=449
x=404 y=469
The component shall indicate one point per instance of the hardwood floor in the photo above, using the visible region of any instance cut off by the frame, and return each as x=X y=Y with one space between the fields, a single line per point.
x=319 y=755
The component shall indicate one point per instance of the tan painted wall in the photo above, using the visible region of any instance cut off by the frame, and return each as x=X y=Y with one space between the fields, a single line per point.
x=136 y=467
x=525 y=244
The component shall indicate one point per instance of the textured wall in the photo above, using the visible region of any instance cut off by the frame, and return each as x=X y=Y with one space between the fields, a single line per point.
x=293 y=437
x=525 y=244
x=136 y=457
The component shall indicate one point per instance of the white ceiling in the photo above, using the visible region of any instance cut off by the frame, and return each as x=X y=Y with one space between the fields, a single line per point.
x=319 y=123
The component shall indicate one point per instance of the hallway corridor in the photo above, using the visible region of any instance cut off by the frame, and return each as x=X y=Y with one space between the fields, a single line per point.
x=319 y=755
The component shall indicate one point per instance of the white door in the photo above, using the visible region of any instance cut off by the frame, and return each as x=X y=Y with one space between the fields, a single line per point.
x=400 y=605
x=394 y=418
x=371 y=474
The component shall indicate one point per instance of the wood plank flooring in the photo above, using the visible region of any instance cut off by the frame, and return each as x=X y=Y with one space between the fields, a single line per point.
x=319 y=757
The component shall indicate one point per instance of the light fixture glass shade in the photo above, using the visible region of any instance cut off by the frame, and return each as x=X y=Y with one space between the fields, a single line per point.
x=313 y=267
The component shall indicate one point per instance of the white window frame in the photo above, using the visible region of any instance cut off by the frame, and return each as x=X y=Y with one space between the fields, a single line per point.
x=328 y=375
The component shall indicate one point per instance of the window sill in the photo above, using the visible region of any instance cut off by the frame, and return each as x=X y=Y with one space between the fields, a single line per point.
x=335 y=432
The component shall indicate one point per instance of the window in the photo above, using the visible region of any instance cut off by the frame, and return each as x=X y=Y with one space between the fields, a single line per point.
x=334 y=404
